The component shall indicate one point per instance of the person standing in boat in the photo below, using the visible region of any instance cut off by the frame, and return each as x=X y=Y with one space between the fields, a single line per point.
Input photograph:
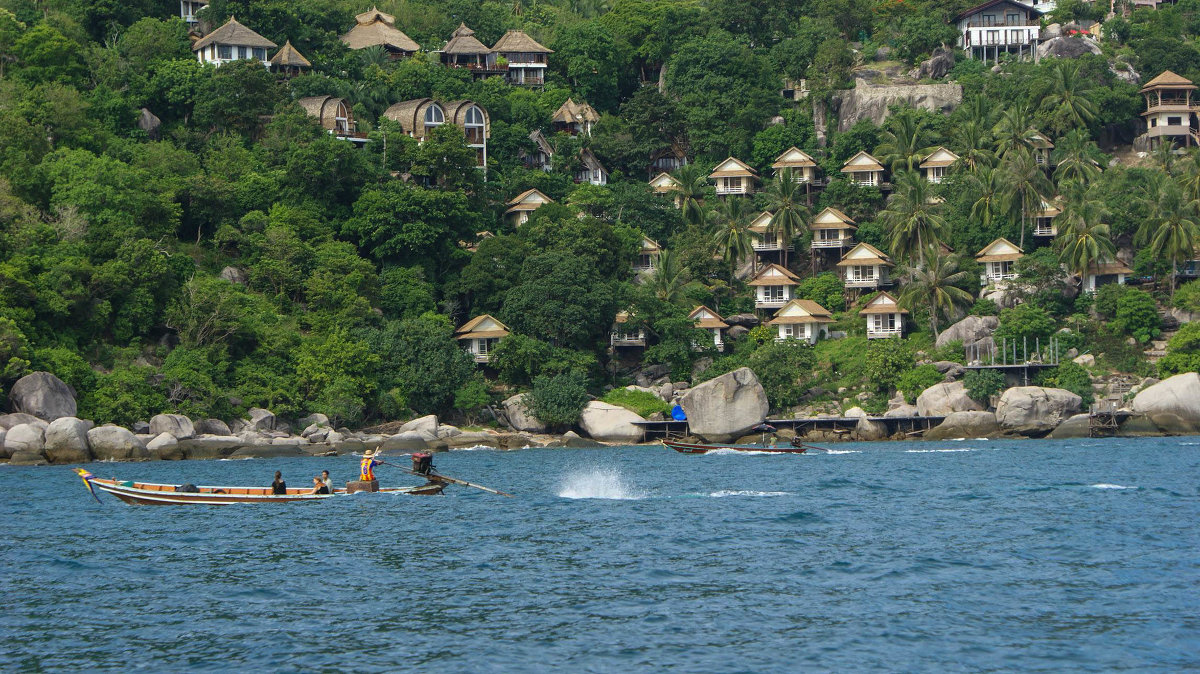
x=327 y=482
x=278 y=486
x=367 y=467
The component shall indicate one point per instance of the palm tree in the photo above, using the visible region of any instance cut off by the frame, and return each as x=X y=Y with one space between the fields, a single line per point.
x=903 y=144
x=1188 y=171
x=731 y=232
x=1075 y=163
x=1014 y=130
x=1171 y=227
x=670 y=279
x=979 y=110
x=913 y=219
x=988 y=187
x=1084 y=239
x=973 y=143
x=692 y=185
x=1069 y=98
x=1025 y=184
x=375 y=55
x=787 y=201
x=937 y=284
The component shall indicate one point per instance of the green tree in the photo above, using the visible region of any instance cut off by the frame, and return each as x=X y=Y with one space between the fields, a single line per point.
x=787 y=201
x=781 y=368
x=420 y=358
x=1171 y=228
x=557 y=401
x=1183 y=351
x=1024 y=324
x=1083 y=239
x=1069 y=99
x=981 y=385
x=562 y=299
x=887 y=361
x=731 y=234
x=913 y=219
x=1026 y=186
x=904 y=141
x=236 y=97
x=937 y=285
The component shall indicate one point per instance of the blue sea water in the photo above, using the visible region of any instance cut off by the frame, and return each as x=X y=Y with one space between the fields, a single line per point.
x=940 y=556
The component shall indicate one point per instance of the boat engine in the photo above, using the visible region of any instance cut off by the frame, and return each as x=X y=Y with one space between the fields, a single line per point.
x=422 y=463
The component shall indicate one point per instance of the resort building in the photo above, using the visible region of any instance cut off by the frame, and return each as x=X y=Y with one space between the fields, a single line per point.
x=733 y=177
x=525 y=203
x=998 y=27
x=864 y=170
x=623 y=335
x=710 y=321
x=543 y=152
x=667 y=160
x=335 y=116
x=590 y=170
x=884 y=317
x=804 y=169
x=480 y=335
x=1104 y=273
x=574 y=118
x=524 y=58
x=648 y=256
x=1171 y=114
x=767 y=241
x=1043 y=220
x=801 y=319
x=832 y=228
x=374 y=28
x=937 y=164
x=420 y=116
x=1043 y=149
x=289 y=62
x=189 y=9
x=464 y=50
x=998 y=259
x=865 y=266
x=665 y=183
x=774 y=286
x=232 y=42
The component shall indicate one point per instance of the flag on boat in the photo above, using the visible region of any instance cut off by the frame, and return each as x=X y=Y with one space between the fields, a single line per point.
x=87 y=482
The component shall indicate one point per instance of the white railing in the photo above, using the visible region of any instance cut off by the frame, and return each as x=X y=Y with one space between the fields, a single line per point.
x=1000 y=277
x=770 y=245
x=862 y=282
x=830 y=243
x=731 y=189
x=873 y=332
x=1044 y=230
x=769 y=304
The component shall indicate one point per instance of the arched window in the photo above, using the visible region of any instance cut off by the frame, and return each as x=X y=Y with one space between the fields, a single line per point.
x=474 y=116
x=473 y=126
x=434 y=116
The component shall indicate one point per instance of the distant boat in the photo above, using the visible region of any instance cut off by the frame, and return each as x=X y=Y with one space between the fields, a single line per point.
x=697 y=448
x=151 y=493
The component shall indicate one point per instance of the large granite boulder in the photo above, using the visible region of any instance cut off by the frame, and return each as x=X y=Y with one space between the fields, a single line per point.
x=970 y=331
x=261 y=420
x=66 y=441
x=725 y=408
x=43 y=395
x=875 y=102
x=936 y=66
x=903 y=411
x=114 y=443
x=1172 y=405
x=519 y=416
x=965 y=425
x=211 y=427
x=1078 y=426
x=1068 y=47
x=25 y=438
x=10 y=420
x=610 y=423
x=268 y=452
x=408 y=441
x=425 y=424
x=945 y=398
x=1035 y=410
x=176 y=424
x=743 y=320
x=314 y=418
x=206 y=447
x=869 y=430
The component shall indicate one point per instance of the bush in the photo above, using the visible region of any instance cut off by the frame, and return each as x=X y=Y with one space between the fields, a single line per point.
x=887 y=361
x=1187 y=298
x=1024 y=324
x=558 y=400
x=1183 y=352
x=640 y=403
x=1072 y=377
x=781 y=367
x=1104 y=300
x=983 y=384
x=1137 y=315
x=825 y=289
x=918 y=379
x=984 y=306
x=122 y=397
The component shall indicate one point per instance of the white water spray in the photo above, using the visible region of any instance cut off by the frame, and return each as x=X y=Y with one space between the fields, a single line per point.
x=598 y=483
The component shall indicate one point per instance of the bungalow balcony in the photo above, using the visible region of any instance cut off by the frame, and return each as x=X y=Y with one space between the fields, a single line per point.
x=1045 y=230
x=627 y=340
x=770 y=303
x=865 y=282
x=875 y=332
x=998 y=277
x=772 y=245
x=731 y=187
x=1189 y=269
x=831 y=243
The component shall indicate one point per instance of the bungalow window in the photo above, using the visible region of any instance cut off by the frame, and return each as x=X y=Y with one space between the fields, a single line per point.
x=1014 y=19
x=773 y=294
x=862 y=273
x=474 y=126
x=789 y=331
x=1174 y=121
x=224 y=52
x=260 y=53
x=433 y=117
x=884 y=323
x=243 y=52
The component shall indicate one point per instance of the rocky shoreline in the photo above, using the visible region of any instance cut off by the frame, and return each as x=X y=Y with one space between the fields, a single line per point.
x=43 y=428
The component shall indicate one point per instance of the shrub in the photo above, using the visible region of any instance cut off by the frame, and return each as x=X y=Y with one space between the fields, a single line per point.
x=558 y=400
x=1072 y=377
x=1104 y=300
x=825 y=289
x=1187 y=298
x=123 y=396
x=887 y=361
x=1024 y=323
x=1137 y=315
x=640 y=403
x=984 y=306
x=983 y=384
x=780 y=368
x=1183 y=352
x=918 y=379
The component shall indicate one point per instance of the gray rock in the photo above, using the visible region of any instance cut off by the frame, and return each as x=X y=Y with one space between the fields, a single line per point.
x=519 y=416
x=408 y=441
x=176 y=424
x=970 y=331
x=162 y=441
x=1086 y=360
x=726 y=407
x=311 y=430
x=252 y=438
x=425 y=424
x=334 y=438
x=314 y=418
x=28 y=458
x=1051 y=31
x=234 y=275
x=572 y=439
x=4 y=453
x=472 y=439
x=1035 y=410
x=666 y=391
x=445 y=431
x=744 y=320
x=648 y=389
x=903 y=411
x=936 y=66
x=950 y=369
x=113 y=443
x=1172 y=405
x=867 y=101
x=321 y=435
x=66 y=441
x=210 y=446
x=1078 y=426
x=267 y=451
x=25 y=438
x=10 y=420
x=1068 y=47
x=1124 y=71
x=610 y=423
x=965 y=425
x=855 y=413
x=140 y=428
x=43 y=395
x=1138 y=426
x=262 y=420
x=150 y=123
x=212 y=427
x=736 y=332
x=945 y=398
x=870 y=430
x=295 y=441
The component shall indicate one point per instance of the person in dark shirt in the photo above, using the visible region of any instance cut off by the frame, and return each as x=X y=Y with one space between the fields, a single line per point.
x=278 y=486
x=319 y=486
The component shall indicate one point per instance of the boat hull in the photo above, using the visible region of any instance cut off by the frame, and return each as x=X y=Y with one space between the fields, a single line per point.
x=697 y=448
x=150 y=493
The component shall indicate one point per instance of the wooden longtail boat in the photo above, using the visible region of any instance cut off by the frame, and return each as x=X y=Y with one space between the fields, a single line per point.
x=150 y=493
x=697 y=448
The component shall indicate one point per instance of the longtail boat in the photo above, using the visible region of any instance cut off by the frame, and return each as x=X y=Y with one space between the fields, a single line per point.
x=697 y=448
x=151 y=493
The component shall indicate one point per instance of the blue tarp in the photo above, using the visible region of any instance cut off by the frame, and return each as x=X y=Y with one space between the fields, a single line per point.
x=677 y=414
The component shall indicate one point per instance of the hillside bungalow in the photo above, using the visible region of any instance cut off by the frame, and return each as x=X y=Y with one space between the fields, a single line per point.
x=801 y=319
x=1190 y=269
x=998 y=258
x=767 y=241
x=865 y=266
x=1043 y=220
x=335 y=116
x=543 y=152
x=804 y=169
x=998 y=26
x=935 y=166
x=774 y=287
x=648 y=255
x=884 y=317
x=232 y=42
x=525 y=203
x=464 y=50
x=480 y=335
x=1104 y=273
x=590 y=170
x=526 y=58
x=373 y=28
x=623 y=335
x=667 y=160
x=733 y=177
x=289 y=62
x=864 y=170
x=574 y=118
x=420 y=116
x=710 y=321
x=189 y=9
x=1171 y=115
x=1043 y=149
x=832 y=229
x=665 y=183
x=476 y=126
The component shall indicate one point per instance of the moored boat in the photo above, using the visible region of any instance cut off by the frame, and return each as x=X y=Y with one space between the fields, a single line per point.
x=697 y=448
